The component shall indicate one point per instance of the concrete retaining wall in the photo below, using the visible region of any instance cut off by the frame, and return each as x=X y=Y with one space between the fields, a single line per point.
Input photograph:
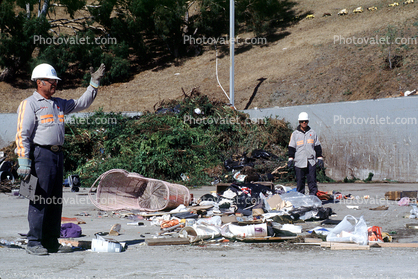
x=8 y=125
x=378 y=136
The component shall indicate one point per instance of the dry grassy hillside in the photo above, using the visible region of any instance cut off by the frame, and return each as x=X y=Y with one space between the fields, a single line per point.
x=299 y=65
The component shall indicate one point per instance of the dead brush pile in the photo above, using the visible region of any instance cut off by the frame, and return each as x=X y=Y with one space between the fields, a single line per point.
x=192 y=136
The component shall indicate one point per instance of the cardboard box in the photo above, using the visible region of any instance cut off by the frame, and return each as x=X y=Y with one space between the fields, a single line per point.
x=397 y=195
x=409 y=194
x=276 y=202
x=393 y=195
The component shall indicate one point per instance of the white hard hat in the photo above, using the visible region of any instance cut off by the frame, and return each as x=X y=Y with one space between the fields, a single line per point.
x=44 y=71
x=303 y=116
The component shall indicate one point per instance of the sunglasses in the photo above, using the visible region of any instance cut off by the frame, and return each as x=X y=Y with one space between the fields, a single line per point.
x=51 y=81
x=304 y=121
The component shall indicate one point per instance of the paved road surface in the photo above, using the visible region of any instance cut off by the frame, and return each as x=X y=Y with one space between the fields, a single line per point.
x=226 y=260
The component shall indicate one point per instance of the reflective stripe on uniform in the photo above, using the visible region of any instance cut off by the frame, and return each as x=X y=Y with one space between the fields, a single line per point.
x=41 y=121
x=19 y=143
x=47 y=118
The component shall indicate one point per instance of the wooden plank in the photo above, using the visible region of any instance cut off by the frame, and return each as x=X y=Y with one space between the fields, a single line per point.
x=308 y=244
x=266 y=239
x=167 y=241
x=150 y=214
x=348 y=246
x=395 y=245
x=85 y=244
x=327 y=244
x=313 y=240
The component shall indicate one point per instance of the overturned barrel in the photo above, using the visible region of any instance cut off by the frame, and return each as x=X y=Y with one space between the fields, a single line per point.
x=119 y=189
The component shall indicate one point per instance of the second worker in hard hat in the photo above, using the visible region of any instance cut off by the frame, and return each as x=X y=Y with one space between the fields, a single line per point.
x=305 y=154
x=39 y=140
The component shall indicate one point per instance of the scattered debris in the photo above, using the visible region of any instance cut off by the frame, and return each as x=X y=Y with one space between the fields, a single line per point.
x=100 y=244
x=65 y=220
x=358 y=10
x=382 y=207
x=397 y=195
x=350 y=229
x=343 y=12
x=115 y=230
x=70 y=230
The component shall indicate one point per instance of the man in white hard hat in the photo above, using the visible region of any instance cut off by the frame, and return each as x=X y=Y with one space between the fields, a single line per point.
x=39 y=139
x=305 y=154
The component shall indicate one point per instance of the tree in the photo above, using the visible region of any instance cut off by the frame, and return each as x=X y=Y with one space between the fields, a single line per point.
x=391 y=35
x=16 y=38
x=18 y=33
x=142 y=29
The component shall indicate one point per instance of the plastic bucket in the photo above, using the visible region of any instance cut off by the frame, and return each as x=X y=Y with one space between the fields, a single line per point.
x=200 y=232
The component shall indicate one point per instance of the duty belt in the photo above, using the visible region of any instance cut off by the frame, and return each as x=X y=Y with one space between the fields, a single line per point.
x=53 y=148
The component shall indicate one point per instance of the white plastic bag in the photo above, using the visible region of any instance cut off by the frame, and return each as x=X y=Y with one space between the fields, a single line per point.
x=213 y=221
x=350 y=230
x=298 y=199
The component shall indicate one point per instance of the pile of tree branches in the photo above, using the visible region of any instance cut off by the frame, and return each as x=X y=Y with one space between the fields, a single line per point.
x=191 y=137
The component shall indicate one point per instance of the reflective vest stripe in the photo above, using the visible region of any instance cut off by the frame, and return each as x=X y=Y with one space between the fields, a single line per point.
x=20 y=147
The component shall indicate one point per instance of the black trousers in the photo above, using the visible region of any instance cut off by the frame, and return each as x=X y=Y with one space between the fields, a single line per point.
x=308 y=173
x=44 y=213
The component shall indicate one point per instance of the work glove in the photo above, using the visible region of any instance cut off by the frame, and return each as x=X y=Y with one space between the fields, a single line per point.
x=97 y=75
x=291 y=164
x=320 y=163
x=24 y=167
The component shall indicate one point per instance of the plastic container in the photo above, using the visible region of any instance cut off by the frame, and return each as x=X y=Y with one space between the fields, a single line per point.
x=100 y=244
x=230 y=230
x=298 y=199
